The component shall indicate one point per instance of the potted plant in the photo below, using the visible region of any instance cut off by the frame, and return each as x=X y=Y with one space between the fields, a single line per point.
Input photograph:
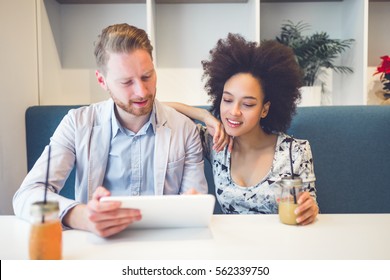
x=384 y=70
x=313 y=52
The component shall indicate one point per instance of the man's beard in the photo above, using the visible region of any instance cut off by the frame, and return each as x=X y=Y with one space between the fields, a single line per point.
x=134 y=110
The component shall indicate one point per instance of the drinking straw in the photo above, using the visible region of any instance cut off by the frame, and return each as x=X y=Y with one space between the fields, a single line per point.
x=291 y=162
x=294 y=195
x=292 y=171
x=46 y=181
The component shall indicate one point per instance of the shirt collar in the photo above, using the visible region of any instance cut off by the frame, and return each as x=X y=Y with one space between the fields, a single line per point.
x=116 y=126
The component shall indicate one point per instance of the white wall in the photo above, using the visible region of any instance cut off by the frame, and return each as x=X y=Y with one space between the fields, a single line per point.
x=378 y=32
x=354 y=87
x=378 y=45
x=19 y=89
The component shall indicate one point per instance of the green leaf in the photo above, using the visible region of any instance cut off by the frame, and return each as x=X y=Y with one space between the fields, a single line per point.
x=313 y=51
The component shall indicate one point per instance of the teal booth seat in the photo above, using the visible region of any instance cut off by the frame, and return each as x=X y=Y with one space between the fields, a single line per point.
x=41 y=122
x=350 y=145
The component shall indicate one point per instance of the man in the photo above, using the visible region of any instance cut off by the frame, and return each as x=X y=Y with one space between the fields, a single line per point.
x=128 y=145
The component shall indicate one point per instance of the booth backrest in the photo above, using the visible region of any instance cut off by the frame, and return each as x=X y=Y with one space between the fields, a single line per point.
x=41 y=122
x=350 y=145
x=351 y=151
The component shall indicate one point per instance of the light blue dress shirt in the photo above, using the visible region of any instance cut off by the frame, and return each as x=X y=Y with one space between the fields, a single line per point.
x=130 y=163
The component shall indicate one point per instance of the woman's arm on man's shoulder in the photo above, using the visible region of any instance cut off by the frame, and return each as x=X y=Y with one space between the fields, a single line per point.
x=214 y=126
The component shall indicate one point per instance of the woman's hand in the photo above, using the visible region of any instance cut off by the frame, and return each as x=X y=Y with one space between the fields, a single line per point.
x=220 y=137
x=307 y=210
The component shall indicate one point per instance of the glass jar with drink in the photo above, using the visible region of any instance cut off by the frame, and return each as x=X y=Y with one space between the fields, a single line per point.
x=291 y=190
x=46 y=231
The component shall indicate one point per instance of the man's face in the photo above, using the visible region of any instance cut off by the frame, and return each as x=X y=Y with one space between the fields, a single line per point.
x=131 y=81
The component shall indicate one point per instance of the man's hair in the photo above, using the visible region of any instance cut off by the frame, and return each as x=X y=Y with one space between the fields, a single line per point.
x=120 y=38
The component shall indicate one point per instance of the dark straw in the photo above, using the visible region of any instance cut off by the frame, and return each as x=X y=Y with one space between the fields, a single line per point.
x=294 y=195
x=47 y=174
x=291 y=162
x=47 y=180
x=292 y=172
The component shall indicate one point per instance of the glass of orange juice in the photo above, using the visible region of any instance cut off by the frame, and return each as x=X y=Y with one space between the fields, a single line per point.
x=291 y=190
x=46 y=232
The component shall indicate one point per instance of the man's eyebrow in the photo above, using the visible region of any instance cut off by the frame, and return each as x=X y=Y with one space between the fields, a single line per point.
x=149 y=72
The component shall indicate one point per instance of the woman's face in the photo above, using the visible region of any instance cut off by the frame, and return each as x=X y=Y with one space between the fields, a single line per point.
x=242 y=104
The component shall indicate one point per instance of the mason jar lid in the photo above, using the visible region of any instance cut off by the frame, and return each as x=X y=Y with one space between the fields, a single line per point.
x=41 y=208
x=289 y=182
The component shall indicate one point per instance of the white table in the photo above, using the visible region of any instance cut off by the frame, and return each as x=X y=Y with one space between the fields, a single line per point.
x=229 y=237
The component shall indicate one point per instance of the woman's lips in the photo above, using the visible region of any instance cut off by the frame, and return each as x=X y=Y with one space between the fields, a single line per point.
x=233 y=123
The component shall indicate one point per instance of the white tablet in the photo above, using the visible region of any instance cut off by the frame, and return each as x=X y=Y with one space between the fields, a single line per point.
x=169 y=211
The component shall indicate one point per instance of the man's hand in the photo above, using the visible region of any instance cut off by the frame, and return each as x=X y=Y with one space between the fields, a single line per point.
x=102 y=218
x=192 y=191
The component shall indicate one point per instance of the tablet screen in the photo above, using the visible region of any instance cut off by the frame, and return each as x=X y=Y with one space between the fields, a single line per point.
x=169 y=211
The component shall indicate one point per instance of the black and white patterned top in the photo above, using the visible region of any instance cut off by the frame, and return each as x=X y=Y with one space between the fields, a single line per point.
x=262 y=197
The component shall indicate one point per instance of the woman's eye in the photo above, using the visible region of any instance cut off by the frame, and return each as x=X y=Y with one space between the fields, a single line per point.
x=227 y=100
x=249 y=105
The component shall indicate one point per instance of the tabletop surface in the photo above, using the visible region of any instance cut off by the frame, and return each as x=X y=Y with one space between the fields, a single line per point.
x=229 y=237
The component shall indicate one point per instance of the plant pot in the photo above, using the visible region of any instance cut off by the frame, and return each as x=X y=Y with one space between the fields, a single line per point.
x=384 y=96
x=311 y=96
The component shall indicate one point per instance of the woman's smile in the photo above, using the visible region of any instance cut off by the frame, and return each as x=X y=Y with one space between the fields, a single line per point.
x=233 y=124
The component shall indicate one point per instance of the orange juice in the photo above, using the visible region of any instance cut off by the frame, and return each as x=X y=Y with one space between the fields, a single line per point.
x=46 y=241
x=291 y=191
x=286 y=212
x=46 y=232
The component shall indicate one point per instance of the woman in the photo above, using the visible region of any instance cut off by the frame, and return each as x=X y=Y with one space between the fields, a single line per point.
x=254 y=89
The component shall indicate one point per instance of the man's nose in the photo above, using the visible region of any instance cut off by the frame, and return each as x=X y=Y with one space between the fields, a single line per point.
x=140 y=89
